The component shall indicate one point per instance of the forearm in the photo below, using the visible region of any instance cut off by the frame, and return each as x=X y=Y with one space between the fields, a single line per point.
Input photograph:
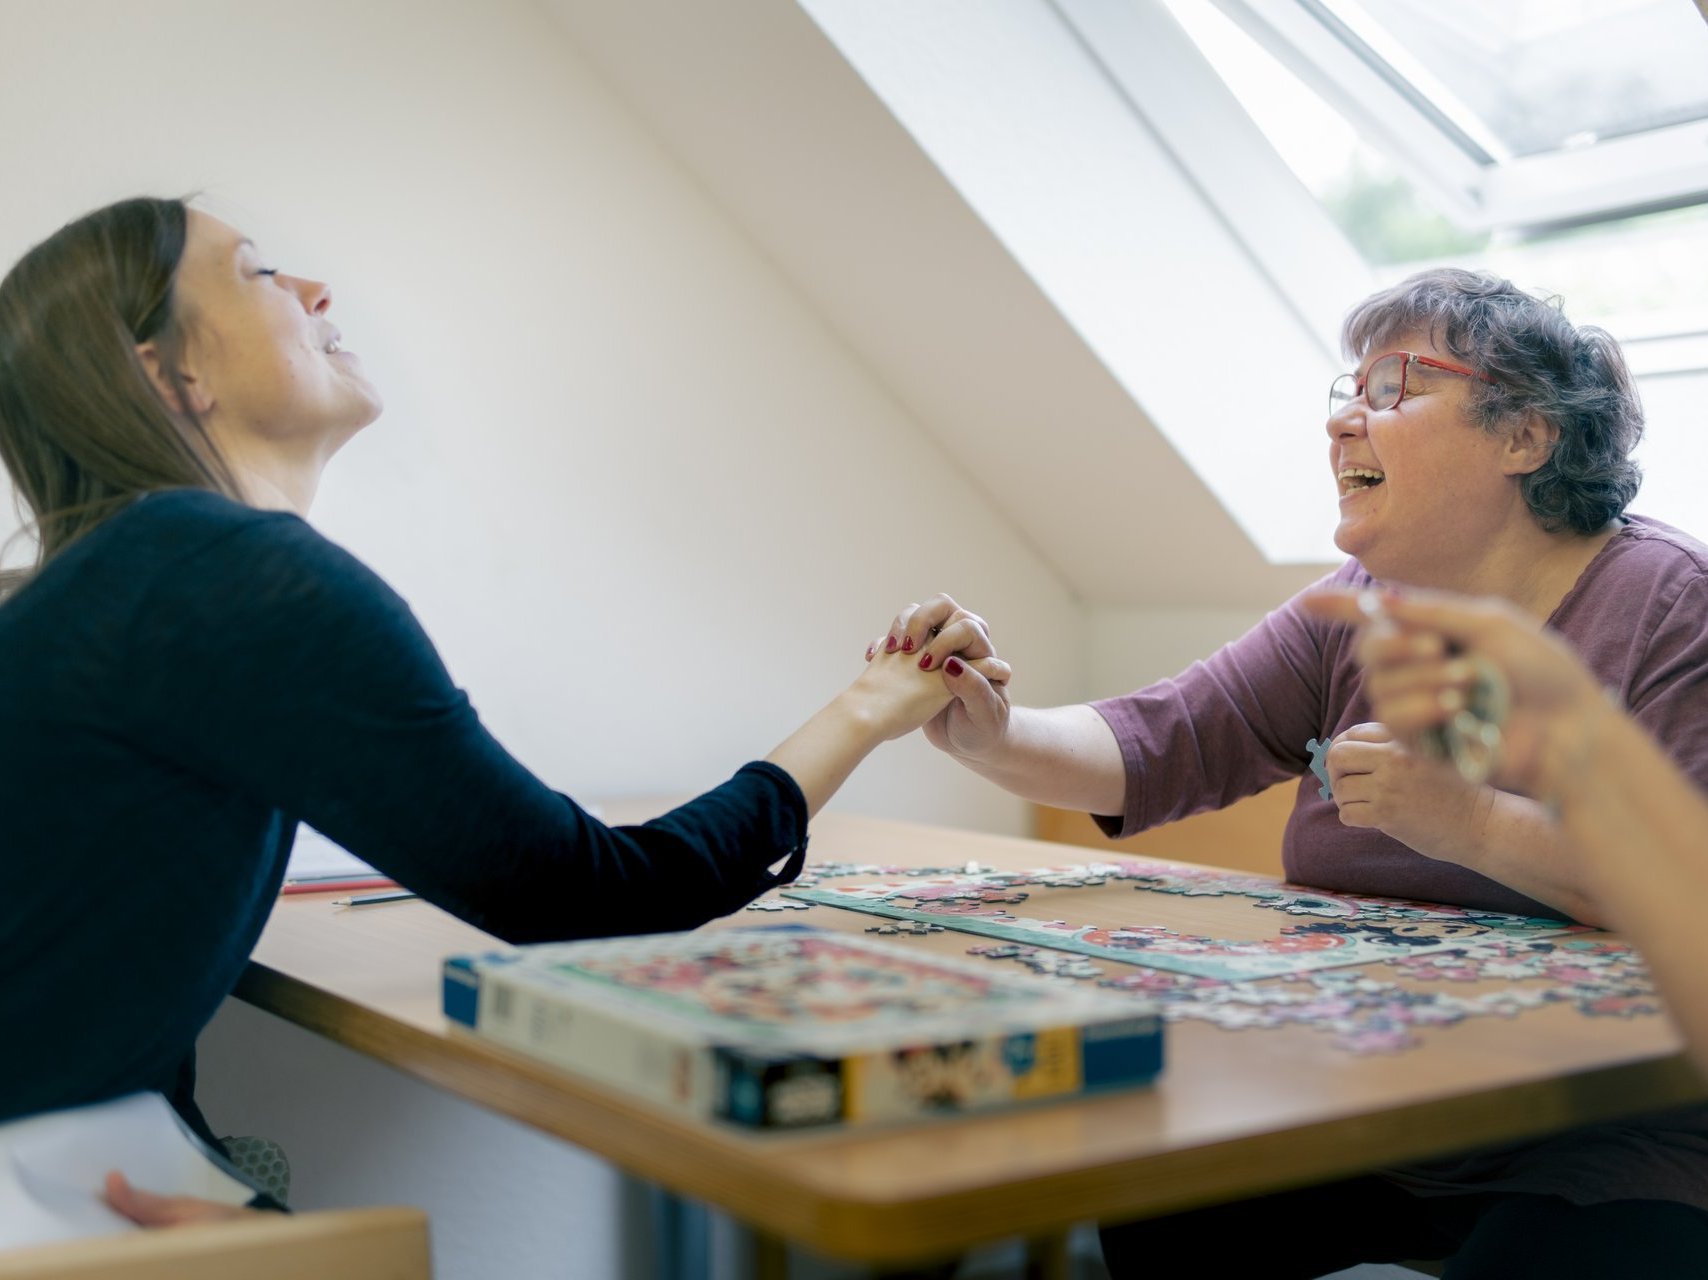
x=1624 y=846
x=1517 y=842
x=1640 y=827
x=827 y=748
x=1062 y=756
x=1626 y=805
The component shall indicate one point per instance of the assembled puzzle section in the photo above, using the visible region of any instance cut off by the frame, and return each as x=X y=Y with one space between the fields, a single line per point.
x=1101 y=918
x=1243 y=952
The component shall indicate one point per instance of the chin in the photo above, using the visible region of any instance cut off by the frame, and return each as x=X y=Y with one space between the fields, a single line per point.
x=1348 y=541
x=370 y=410
x=353 y=428
x=1369 y=557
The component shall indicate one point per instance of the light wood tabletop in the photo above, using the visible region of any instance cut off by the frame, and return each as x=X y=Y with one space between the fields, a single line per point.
x=1236 y=1113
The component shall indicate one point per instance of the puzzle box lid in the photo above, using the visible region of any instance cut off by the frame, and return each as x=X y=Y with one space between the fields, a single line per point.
x=803 y=991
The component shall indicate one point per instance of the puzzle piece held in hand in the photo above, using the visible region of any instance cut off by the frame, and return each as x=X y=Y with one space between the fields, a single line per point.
x=1319 y=766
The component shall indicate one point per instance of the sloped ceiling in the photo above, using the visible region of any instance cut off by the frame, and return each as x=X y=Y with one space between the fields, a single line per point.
x=786 y=138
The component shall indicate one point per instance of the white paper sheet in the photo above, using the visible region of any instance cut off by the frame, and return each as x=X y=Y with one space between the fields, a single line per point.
x=314 y=857
x=52 y=1168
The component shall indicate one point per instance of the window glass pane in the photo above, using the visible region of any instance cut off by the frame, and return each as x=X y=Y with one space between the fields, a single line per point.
x=1384 y=214
x=1622 y=270
x=1614 y=269
x=1545 y=75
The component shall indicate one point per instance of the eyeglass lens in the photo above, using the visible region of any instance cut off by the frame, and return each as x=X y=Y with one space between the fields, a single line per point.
x=1384 y=385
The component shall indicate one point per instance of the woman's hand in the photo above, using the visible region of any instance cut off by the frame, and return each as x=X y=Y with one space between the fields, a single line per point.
x=895 y=696
x=891 y=697
x=1420 y=653
x=1422 y=803
x=150 y=1210
x=939 y=635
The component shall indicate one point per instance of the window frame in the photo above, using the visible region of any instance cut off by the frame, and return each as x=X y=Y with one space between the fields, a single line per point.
x=1445 y=150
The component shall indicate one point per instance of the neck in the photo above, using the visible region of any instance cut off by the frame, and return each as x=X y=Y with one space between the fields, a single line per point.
x=278 y=493
x=273 y=479
x=1529 y=566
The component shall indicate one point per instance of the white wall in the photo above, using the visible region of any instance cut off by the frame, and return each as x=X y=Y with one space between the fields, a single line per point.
x=955 y=307
x=1087 y=192
x=1128 y=647
x=648 y=505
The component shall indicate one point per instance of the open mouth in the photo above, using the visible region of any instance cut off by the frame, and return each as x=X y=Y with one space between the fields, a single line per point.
x=1352 y=479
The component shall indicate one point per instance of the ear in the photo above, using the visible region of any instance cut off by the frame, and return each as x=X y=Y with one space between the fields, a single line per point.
x=188 y=396
x=1529 y=444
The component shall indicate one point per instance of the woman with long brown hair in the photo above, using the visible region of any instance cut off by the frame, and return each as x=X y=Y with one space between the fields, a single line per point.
x=189 y=669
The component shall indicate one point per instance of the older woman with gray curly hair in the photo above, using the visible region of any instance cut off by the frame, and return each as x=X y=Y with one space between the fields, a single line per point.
x=1482 y=446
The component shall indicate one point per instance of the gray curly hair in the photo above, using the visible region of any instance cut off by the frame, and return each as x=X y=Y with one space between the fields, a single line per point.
x=1573 y=376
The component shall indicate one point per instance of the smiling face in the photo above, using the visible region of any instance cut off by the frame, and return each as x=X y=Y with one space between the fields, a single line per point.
x=264 y=363
x=1424 y=491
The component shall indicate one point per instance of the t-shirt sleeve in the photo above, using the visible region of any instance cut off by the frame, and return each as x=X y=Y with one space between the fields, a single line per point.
x=1226 y=727
x=275 y=667
x=1667 y=690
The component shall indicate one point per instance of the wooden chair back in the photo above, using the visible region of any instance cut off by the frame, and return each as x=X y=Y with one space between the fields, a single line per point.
x=351 y=1244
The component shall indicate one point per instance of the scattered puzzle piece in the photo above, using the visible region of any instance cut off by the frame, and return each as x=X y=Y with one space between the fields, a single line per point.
x=914 y=929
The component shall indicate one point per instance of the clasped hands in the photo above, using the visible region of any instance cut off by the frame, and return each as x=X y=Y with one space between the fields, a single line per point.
x=939 y=635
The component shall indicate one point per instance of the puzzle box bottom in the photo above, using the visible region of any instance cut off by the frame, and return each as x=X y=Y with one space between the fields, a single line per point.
x=905 y=1084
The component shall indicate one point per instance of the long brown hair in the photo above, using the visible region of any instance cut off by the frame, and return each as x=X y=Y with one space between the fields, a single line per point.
x=83 y=430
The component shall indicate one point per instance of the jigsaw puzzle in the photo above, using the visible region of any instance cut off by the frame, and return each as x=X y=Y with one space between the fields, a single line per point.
x=1345 y=930
x=1370 y=972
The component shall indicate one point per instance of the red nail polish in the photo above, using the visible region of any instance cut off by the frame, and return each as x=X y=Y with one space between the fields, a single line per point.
x=890 y=645
x=925 y=663
x=907 y=645
x=870 y=650
x=952 y=667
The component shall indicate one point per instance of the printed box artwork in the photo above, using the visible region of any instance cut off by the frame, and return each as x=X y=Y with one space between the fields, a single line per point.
x=785 y=1026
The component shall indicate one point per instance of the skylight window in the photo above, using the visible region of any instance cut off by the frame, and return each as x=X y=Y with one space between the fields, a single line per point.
x=1614 y=268
x=1362 y=186
x=1524 y=113
x=1547 y=75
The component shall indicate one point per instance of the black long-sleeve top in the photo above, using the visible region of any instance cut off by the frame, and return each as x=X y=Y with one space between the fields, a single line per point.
x=183 y=685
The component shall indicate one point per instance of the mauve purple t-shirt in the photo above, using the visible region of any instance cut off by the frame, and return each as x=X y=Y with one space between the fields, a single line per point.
x=1238 y=722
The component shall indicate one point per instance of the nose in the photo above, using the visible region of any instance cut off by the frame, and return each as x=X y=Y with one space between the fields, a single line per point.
x=316 y=296
x=1348 y=420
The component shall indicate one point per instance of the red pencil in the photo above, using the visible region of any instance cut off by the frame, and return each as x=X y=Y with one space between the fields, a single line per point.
x=332 y=883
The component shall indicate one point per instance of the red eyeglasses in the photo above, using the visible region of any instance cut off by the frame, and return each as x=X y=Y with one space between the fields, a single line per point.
x=1384 y=385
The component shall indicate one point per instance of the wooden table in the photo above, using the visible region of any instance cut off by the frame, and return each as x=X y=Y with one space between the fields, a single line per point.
x=1235 y=1114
